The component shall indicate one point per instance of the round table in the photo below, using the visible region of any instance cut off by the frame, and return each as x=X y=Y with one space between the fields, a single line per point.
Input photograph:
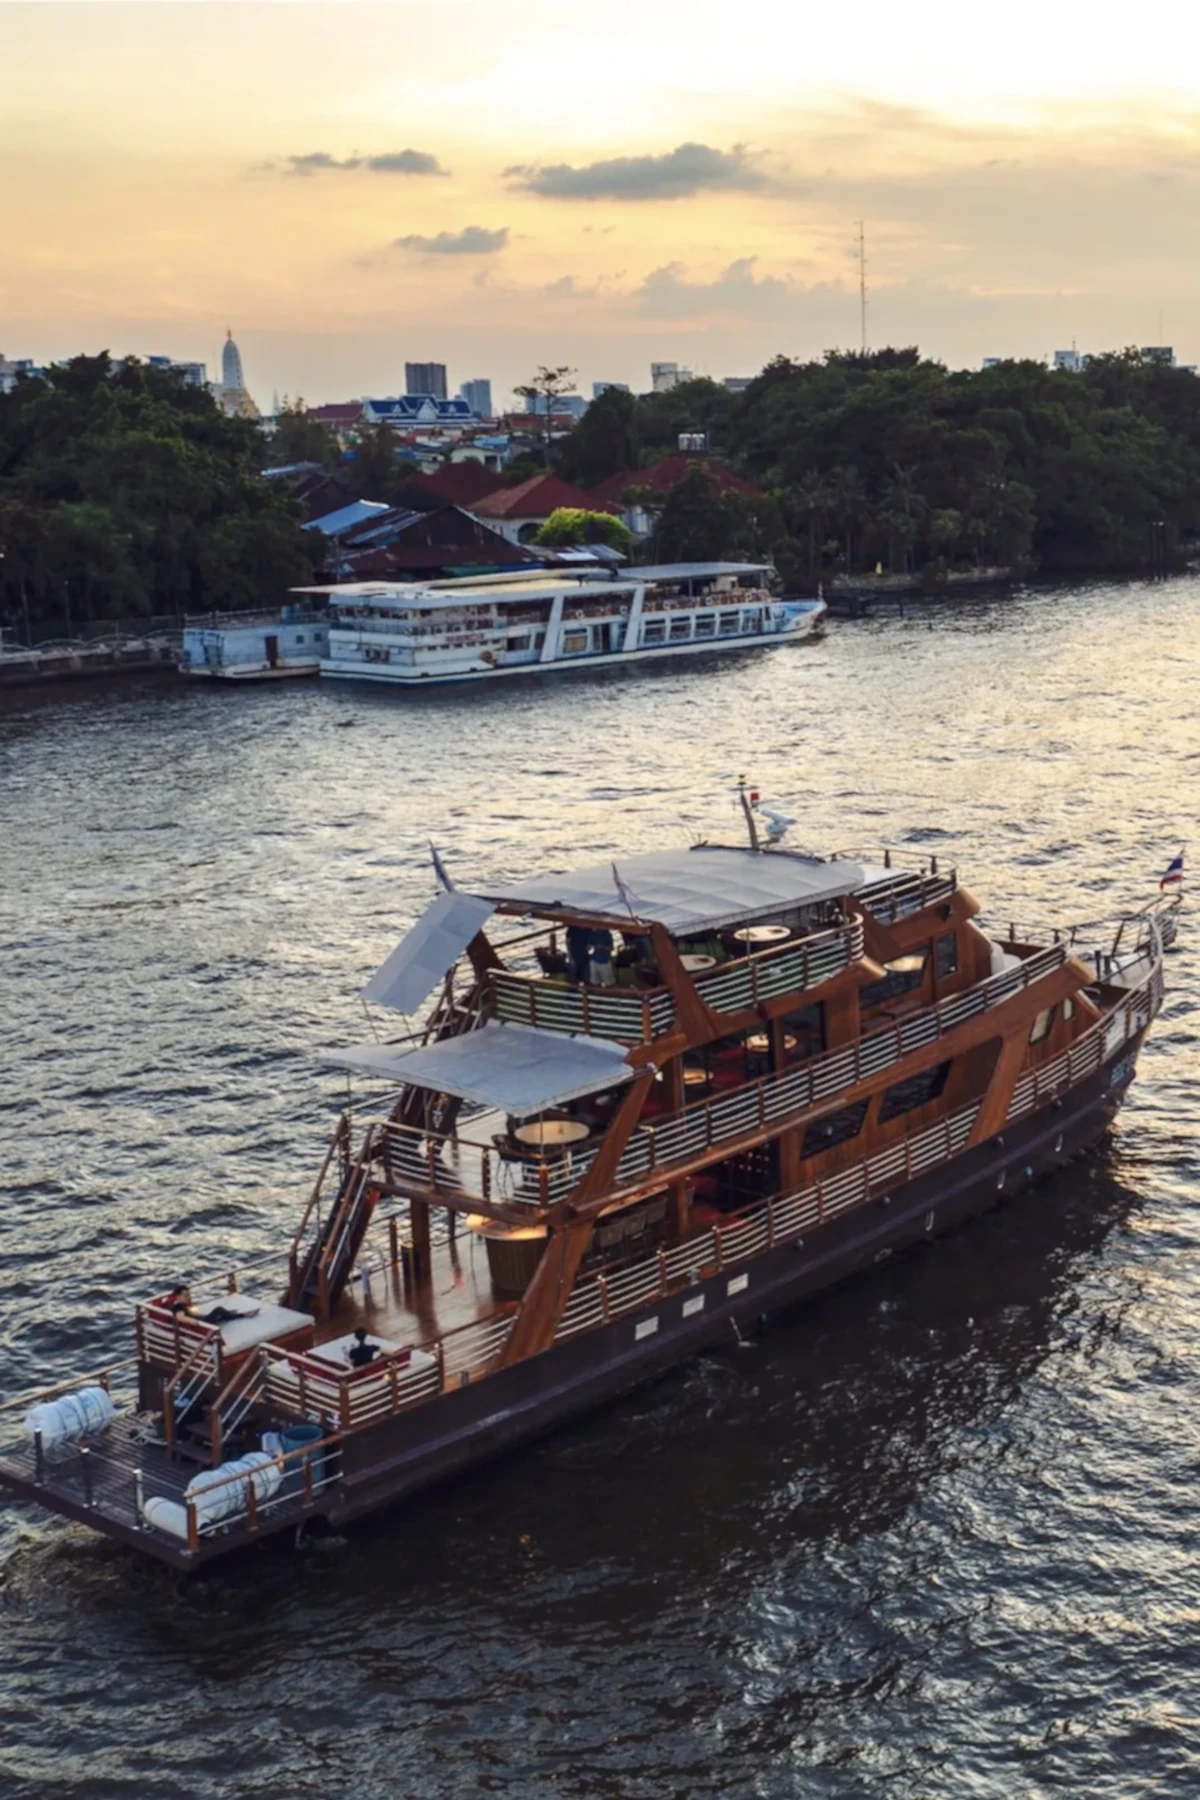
x=763 y=934
x=760 y=1042
x=551 y=1134
x=694 y=963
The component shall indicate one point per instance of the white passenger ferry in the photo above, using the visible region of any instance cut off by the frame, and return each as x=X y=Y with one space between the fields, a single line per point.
x=419 y=633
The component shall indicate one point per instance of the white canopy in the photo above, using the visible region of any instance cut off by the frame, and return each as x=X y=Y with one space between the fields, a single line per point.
x=512 y=1067
x=433 y=946
x=691 y=890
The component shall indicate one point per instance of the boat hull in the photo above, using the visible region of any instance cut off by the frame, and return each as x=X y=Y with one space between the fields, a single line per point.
x=414 y=1450
x=389 y=675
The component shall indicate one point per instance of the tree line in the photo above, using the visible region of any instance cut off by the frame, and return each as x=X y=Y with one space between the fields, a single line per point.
x=891 y=460
x=125 y=493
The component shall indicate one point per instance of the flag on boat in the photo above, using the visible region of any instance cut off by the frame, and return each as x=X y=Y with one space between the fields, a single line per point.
x=439 y=869
x=628 y=900
x=1174 y=874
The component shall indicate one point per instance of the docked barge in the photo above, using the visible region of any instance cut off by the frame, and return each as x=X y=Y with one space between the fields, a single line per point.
x=650 y=1102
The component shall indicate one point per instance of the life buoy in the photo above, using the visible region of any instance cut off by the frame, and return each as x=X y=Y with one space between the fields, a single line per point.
x=487 y=656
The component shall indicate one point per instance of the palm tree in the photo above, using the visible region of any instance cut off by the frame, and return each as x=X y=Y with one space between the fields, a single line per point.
x=906 y=506
x=851 y=507
x=813 y=498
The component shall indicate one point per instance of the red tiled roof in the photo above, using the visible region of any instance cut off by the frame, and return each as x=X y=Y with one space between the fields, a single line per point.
x=462 y=483
x=665 y=474
x=536 y=498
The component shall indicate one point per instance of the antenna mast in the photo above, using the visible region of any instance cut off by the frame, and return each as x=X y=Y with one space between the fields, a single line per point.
x=862 y=282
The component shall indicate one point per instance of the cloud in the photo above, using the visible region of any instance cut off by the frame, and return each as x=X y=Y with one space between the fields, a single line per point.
x=737 y=292
x=472 y=240
x=688 y=169
x=390 y=162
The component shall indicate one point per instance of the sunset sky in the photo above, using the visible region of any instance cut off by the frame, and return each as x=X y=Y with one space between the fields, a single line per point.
x=502 y=184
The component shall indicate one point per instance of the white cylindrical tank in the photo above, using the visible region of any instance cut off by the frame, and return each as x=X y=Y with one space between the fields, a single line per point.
x=70 y=1417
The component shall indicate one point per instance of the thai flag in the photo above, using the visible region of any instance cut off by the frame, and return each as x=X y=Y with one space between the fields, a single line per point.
x=1174 y=874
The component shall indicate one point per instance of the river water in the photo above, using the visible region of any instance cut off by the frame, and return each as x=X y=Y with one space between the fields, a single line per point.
x=934 y=1535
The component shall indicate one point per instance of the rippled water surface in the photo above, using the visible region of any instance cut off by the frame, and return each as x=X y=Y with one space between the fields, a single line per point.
x=934 y=1535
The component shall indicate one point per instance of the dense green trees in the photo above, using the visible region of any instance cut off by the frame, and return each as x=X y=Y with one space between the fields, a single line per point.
x=892 y=460
x=568 y=525
x=124 y=493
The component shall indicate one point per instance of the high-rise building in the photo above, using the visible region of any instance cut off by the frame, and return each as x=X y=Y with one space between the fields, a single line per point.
x=425 y=378
x=737 y=384
x=666 y=375
x=478 y=396
x=564 y=406
x=602 y=387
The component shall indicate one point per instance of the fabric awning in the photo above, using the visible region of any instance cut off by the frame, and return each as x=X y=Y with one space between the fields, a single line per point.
x=427 y=952
x=690 y=890
x=513 y=1067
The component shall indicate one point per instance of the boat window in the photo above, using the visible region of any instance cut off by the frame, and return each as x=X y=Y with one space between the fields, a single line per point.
x=751 y=621
x=518 y=641
x=706 y=624
x=680 y=628
x=1041 y=1026
x=574 y=641
x=945 y=954
x=903 y=975
x=1068 y=1009
x=836 y=1128
x=728 y=622
x=915 y=1090
x=299 y=637
x=654 y=631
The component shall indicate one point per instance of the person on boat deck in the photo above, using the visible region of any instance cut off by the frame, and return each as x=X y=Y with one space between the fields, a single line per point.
x=579 y=951
x=361 y=1352
x=179 y=1302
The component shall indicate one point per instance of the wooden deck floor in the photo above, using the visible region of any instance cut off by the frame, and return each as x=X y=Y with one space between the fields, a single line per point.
x=459 y=1293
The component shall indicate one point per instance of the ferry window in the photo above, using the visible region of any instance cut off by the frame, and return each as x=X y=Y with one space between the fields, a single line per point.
x=751 y=621
x=299 y=637
x=728 y=622
x=945 y=954
x=573 y=642
x=836 y=1128
x=904 y=974
x=654 y=631
x=706 y=624
x=680 y=628
x=1041 y=1026
x=914 y=1091
x=518 y=641
x=1068 y=1009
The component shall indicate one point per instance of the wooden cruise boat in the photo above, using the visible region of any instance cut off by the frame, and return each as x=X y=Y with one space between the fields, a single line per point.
x=651 y=1102
x=415 y=634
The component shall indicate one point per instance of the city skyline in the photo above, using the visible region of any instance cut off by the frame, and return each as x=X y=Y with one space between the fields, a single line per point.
x=679 y=194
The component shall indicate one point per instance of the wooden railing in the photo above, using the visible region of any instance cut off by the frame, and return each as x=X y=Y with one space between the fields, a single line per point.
x=775 y=1098
x=303 y=1386
x=632 y=1016
x=901 y=895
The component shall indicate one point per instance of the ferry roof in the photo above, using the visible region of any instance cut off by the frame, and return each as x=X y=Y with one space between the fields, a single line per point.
x=515 y=1068
x=703 y=889
x=505 y=590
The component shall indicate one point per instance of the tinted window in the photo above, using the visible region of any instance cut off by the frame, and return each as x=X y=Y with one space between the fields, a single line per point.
x=1041 y=1026
x=915 y=1090
x=836 y=1128
x=945 y=954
